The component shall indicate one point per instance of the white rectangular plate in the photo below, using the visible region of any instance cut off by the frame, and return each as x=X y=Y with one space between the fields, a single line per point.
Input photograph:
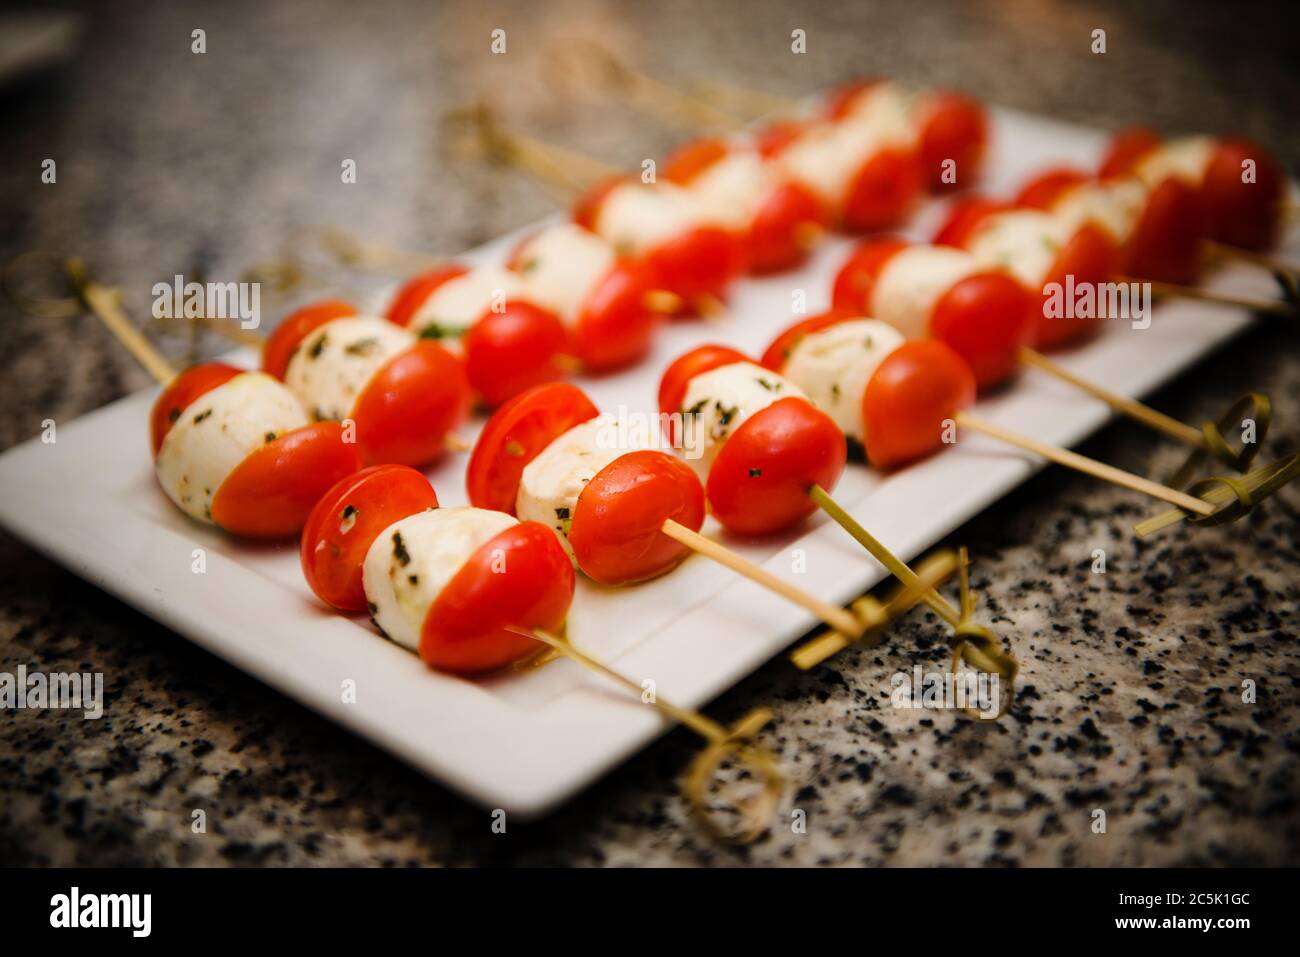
x=526 y=741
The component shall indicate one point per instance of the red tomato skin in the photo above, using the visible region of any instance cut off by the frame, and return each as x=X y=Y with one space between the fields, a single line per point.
x=1165 y=245
x=964 y=217
x=273 y=490
x=776 y=238
x=333 y=551
x=884 y=191
x=510 y=351
x=514 y=436
x=521 y=578
x=1246 y=215
x=955 y=128
x=289 y=334
x=408 y=300
x=1046 y=189
x=986 y=318
x=772 y=139
x=1091 y=258
x=693 y=159
x=759 y=481
x=614 y=328
x=778 y=353
x=843 y=98
x=911 y=393
x=680 y=372
x=587 y=208
x=701 y=262
x=856 y=280
x=617 y=529
x=1126 y=149
x=181 y=392
x=405 y=412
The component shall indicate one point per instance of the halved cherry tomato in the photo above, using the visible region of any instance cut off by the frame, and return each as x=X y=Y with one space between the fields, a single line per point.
x=1165 y=245
x=964 y=217
x=1126 y=148
x=856 y=279
x=347 y=520
x=413 y=294
x=512 y=350
x=614 y=328
x=1091 y=258
x=760 y=479
x=521 y=578
x=290 y=333
x=955 y=128
x=616 y=532
x=678 y=375
x=700 y=263
x=912 y=391
x=1043 y=191
x=271 y=492
x=693 y=159
x=1237 y=212
x=181 y=392
x=515 y=435
x=406 y=410
x=780 y=235
x=883 y=192
x=986 y=318
x=778 y=353
x=587 y=208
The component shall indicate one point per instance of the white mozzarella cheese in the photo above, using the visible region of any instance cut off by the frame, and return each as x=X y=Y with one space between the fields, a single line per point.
x=1113 y=205
x=335 y=363
x=551 y=483
x=1185 y=158
x=833 y=366
x=635 y=218
x=459 y=303
x=725 y=397
x=217 y=431
x=411 y=562
x=827 y=157
x=1025 y=242
x=912 y=282
x=731 y=191
x=562 y=265
x=889 y=112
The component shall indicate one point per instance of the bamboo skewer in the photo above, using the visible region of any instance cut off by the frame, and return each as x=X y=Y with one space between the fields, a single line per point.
x=1271 y=307
x=1220 y=250
x=106 y=304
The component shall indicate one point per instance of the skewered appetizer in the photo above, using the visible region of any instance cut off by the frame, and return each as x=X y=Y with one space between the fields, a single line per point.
x=982 y=314
x=942 y=125
x=509 y=342
x=452 y=584
x=605 y=300
x=404 y=395
x=235 y=449
x=662 y=224
x=889 y=396
x=1040 y=250
x=777 y=219
x=1238 y=183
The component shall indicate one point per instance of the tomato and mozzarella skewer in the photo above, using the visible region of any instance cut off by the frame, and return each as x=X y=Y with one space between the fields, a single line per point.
x=983 y=314
x=404 y=395
x=1039 y=249
x=777 y=219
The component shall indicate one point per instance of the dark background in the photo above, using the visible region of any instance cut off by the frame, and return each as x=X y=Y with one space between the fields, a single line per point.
x=170 y=162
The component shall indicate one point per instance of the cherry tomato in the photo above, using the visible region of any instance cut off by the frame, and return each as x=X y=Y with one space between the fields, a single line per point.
x=515 y=435
x=844 y=98
x=413 y=294
x=270 y=493
x=759 y=481
x=700 y=263
x=964 y=217
x=521 y=578
x=512 y=350
x=616 y=532
x=856 y=279
x=183 y=391
x=1165 y=245
x=587 y=208
x=883 y=192
x=406 y=410
x=614 y=328
x=1126 y=148
x=1243 y=214
x=956 y=129
x=779 y=236
x=693 y=159
x=678 y=375
x=775 y=137
x=290 y=333
x=347 y=520
x=1091 y=258
x=986 y=318
x=1043 y=191
x=778 y=353
x=911 y=393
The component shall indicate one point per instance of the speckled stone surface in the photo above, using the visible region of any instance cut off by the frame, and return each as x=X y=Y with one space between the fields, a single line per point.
x=1130 y=699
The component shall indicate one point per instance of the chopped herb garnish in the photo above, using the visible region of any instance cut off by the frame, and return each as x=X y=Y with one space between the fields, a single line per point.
x=755 y=472
x=835 y=389
x=173 y=415
x=437 y=330
x=561 y=513
x=514 y=448
x=413 y=579
x=270 y=436
x=529 y=265
x=316 y=347
x=374 y=609
x=348 y=511
x=362 y=347
x=697 y=408
x=726 y=415
x=202 y=415
x=769 y=386
x=399 y=550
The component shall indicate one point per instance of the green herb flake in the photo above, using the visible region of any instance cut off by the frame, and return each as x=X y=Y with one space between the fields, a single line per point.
x=202 y=415
x=399 y=550
x=755 y=472
x=317 y=346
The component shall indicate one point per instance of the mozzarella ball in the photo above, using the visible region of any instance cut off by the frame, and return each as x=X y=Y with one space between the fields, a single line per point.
x=721 y=399
x=217 y=431
x=412 y=560
x=827 y=157
x=890 y=112
x=833 y=366
x=1025 y=242
x=635 y=218
x=731 y=191
x=1113 y=205
x=1185 y=158
x=913 y=280
x=562 y=265
x=460 y=302
x=335 y=362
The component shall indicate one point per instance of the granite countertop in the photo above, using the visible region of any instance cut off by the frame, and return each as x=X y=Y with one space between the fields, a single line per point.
x=1130 y=697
